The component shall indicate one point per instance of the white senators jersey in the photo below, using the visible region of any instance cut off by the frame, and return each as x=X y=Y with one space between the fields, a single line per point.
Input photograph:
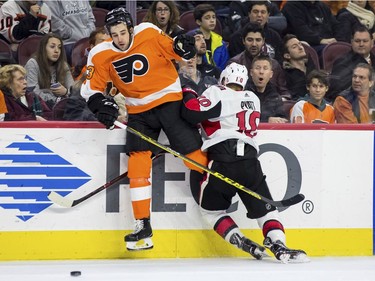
x=11 y=14
x=239 y=117
x=144 y=73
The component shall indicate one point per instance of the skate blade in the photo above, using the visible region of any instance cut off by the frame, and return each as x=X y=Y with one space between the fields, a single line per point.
x=144 y=244
x=261 y=255
x=300 y=258
x=290 y=258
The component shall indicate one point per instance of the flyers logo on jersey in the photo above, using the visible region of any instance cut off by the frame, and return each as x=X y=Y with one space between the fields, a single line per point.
x=134 y=65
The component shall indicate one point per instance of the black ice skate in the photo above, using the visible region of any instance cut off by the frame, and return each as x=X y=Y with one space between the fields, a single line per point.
x=245 y=244
x=140 y=239
x=284 y=254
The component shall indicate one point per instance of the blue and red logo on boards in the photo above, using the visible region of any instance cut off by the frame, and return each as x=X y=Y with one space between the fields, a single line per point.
x=29 y=172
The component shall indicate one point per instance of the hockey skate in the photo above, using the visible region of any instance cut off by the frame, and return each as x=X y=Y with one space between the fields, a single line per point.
x=245 y=244
x=284 y=254
x=140 y=239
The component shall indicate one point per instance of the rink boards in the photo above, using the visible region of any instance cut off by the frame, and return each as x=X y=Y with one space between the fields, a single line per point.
x=333 y=166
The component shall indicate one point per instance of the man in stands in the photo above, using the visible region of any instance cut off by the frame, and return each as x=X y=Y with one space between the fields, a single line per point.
x=362 y=43
x=353 y=105
x=253 y=38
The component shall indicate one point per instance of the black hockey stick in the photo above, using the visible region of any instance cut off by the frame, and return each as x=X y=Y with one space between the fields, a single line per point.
x=68 y=203
x=283 y=203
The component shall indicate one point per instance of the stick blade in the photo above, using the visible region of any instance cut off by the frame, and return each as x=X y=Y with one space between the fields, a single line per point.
x=59 y=200
x=289 y=202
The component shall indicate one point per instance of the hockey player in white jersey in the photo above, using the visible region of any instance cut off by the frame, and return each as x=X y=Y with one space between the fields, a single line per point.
x=229 y=117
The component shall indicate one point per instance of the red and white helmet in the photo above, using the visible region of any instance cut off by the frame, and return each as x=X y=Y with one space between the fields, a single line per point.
x=234 y=74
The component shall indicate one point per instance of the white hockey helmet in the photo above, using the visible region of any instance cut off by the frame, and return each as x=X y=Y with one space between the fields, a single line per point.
x=234 y=74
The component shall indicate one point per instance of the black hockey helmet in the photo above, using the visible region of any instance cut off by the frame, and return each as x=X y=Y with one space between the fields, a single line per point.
x=116 y=16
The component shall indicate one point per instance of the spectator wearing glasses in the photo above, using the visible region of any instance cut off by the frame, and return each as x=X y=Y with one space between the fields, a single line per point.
x=165 y=15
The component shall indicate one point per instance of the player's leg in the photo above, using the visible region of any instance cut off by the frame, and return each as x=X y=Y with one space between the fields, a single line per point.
x=216 y=197
x=139 y=167
x=183 y=137
x=268 y=217
x=139 y=171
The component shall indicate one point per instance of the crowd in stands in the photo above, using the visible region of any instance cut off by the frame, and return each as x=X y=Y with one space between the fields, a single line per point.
x=274 y=40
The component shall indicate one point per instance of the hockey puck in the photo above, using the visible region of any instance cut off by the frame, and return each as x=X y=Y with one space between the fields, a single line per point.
x=75 y=273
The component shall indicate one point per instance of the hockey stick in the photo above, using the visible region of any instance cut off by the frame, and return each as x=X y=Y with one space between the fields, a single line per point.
x=283 y=203
x=68 y=203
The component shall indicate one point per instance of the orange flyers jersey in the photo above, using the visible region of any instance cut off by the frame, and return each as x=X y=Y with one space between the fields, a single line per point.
x=3 y=106
x=306 y=112
x=144 y=73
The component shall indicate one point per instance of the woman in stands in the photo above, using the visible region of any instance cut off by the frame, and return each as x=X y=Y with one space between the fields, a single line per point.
x=48 y=73
x=21 y=104
x=165 y=15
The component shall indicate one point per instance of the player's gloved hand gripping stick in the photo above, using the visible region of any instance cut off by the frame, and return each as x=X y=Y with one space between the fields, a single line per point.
x=105 y=109
x=283 y=203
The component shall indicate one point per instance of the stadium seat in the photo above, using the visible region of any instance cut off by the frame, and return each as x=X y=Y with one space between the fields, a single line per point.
x=310 y=51
x=333 y=51
x=78 y=51
x=6 y=56
x=188 y=23
x=78 y=58
x=141 y=14
x=99 y=14
x=27 y=48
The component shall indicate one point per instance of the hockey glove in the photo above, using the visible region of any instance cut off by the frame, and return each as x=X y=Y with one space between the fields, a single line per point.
x=184 y=46
x=105 y=109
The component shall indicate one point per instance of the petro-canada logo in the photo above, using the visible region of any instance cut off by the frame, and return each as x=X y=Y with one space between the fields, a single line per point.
x=28 y=172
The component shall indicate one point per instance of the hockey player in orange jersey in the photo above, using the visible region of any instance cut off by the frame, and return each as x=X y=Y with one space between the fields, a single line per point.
x=139 y=62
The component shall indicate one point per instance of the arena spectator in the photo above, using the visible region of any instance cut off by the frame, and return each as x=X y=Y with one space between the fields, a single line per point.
x=311 y=21
x=296 y=66
x=238 y=14
x=258 y=11
x=217 y=52
x=253 y=38
x=271 y=103
x=313 y=108
x=71 y=20
x=203 y=66
x=48 y=73
x=353 y=105
x=21 y=19
x=356 y=13
x=362 y=43
x=191 y=77
x=21 y=104
x=97 y=36
x=165 y=15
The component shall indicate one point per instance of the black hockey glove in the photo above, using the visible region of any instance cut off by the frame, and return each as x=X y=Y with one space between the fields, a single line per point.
x=184 y=46
x=105 y=109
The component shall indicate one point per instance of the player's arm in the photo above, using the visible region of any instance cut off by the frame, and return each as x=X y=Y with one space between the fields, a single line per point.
x=104 y=108
x=195 y=110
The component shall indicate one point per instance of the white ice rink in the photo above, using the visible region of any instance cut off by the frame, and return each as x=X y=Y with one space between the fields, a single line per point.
x=228 y=269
